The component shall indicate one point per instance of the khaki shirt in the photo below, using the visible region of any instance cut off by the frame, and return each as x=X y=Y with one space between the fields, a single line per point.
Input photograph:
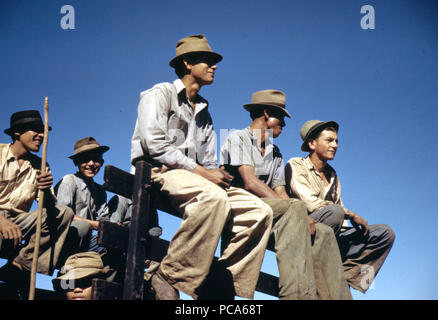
x=18 y=185
x=304 y=182
x=169 y=132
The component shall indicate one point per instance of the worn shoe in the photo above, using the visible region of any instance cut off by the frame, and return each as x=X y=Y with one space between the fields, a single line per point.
x=162 y=289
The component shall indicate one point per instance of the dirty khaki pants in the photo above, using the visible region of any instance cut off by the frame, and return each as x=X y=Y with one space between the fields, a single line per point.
x=206 y=209
x=307 y=270
x=53 y=232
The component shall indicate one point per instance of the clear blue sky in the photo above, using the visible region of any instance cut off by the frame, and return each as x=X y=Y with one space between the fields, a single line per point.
x=380 y=85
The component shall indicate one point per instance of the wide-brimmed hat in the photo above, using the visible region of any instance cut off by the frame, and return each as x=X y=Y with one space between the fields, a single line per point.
x=25 y=119
x=193 y=44
x=86 y=145
x=79 y=266
x=310 y=127
x=270 y=98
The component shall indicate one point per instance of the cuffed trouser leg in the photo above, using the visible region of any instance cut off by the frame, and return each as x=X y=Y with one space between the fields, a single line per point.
x=205 y=209
x=329 y=272
x=53 y=233
x=363 y=256
x=293 y=249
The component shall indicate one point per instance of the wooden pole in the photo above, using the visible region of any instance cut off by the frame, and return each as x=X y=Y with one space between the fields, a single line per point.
x=40 y=203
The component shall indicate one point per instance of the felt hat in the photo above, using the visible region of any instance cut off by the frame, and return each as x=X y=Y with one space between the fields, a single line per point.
x=193 y=44
x=270 y=98
x=79 y=266
x=312 y=126
x=86 y=145
x=25 y=119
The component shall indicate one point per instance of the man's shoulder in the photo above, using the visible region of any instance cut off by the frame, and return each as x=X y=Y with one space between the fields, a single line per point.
x=276 y=151
x=296 y=161
x=35 y=161
x=163 y=87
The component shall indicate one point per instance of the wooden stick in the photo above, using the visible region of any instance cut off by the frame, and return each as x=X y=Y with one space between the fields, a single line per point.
x=40 y=203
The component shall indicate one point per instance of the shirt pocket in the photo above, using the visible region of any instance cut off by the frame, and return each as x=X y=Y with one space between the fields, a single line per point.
x=177 y=130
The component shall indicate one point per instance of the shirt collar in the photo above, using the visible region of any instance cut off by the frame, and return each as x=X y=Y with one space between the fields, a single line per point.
x=310 y=166
x=9 y=154
x=181 y=91
x=82 y=185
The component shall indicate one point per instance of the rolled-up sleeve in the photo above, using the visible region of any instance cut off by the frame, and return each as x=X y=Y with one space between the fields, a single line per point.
x=278 y=178
x=151 y=133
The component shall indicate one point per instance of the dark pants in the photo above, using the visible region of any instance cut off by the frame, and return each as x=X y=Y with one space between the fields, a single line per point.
x=362 y=256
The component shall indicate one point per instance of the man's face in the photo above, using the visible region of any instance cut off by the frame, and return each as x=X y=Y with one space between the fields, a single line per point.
x=32 y=139
x=89 y=164
x=275 y=122
x=326 y=145
x=82 y=291
x=203 y=69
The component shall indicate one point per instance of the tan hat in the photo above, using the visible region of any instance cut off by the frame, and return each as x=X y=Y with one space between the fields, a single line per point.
x=81 y=265
x=310 y=127
x=193 y=44
x=87 y=144
x=271 y=98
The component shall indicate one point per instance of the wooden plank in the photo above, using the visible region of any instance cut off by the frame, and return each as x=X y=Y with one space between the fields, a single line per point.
x=111 y=235
x=104 y=290
x=118 y=181
x=136 y=254
x=267 y=284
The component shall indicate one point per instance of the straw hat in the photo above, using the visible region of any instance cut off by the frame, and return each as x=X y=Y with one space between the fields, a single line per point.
x=87 y=144
x=193 y=44
x=25 y=119
x=270 y=98
x=310 y=127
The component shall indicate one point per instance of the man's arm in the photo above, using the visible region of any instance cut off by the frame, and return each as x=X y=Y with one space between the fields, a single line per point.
x=153 y=132
x=10 y=231
x=281 y=192
x=254 y=184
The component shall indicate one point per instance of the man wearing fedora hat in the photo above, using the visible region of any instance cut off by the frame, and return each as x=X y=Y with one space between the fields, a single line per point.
x=308 y=258
x=20 y=181
x=84 y=196
x=174 y=132
x=363 y=248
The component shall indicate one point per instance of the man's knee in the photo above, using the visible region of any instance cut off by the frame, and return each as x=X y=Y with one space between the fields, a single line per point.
x=334 y=216
x=385 y=232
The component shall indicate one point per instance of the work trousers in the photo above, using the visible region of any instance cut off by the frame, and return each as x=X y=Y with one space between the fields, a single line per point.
x=309 y=267
x=362 y=256
x=207 y=210
x=54 y=228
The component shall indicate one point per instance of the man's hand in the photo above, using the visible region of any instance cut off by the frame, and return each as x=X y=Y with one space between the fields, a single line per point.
x=312 y=227
x=359 y=223
x=44 y=181
x=10 y=231
x=218 y=176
